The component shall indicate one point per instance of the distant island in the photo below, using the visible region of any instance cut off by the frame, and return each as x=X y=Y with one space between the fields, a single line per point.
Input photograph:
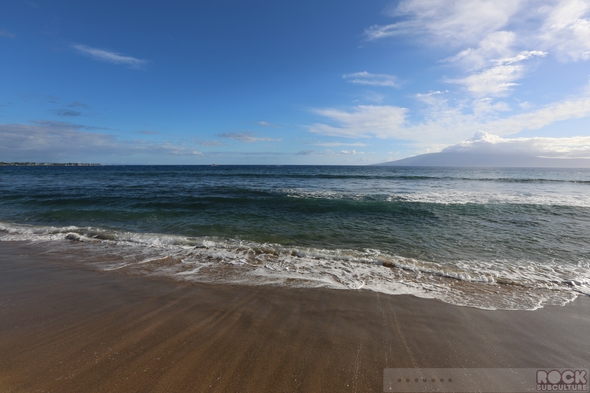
x=488 y=150
x=47 y=164
x=488 y=160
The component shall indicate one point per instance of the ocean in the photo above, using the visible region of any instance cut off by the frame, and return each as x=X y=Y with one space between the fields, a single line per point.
x=510 y=239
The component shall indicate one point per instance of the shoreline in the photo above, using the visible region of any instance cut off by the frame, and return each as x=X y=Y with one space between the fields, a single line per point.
x=66 y=328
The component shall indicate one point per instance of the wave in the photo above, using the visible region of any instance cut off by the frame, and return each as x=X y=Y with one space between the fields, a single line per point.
x=493 y=284
x=233 y=194
x=446 y=197
x=281 y=176
x=490 y=198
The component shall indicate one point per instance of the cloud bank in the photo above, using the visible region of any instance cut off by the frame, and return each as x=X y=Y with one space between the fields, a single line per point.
x=562 y=26
x=60 y=141
x=497 y=43
x=485 y=143
x=493 y=32
x=444 y=123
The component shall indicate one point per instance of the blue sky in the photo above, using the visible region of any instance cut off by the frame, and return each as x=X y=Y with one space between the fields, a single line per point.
x=291 y=82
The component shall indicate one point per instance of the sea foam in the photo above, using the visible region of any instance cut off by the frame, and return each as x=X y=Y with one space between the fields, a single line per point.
x=492 y=284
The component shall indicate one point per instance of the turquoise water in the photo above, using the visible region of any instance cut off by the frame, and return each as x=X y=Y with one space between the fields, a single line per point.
x=490 y=238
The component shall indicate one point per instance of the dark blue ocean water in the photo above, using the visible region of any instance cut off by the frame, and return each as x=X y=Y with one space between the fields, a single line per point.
x=493 y=238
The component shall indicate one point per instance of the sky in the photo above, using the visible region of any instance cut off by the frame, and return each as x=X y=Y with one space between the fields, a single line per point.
x=331 y=82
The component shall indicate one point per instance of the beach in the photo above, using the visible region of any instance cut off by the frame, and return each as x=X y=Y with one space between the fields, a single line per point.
x=68 y=328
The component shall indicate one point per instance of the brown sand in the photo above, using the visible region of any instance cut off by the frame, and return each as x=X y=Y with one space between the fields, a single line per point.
x=69 y=329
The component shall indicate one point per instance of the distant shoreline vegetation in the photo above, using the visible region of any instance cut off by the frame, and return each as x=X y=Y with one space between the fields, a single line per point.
x=47 y=164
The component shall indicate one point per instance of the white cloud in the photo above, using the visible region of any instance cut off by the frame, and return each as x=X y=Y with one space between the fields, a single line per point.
x=108 y=56
x=377 y=32
x=524 y=55
x=561 y=27
x=495 y=45
x=246 y=137
x=267 y=124
x=566 y=29
x=445 y=123
x=452 y=21
x=362 y=121
x=431 y=93
x=484 y=143
x=350 y=152
x=574 y=108
x=365 y=78
x=59 y=141
x=497 y=80
x=495 y=34
x=498 y=36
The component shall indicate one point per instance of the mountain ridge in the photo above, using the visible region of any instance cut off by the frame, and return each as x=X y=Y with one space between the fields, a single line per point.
x=460 y=159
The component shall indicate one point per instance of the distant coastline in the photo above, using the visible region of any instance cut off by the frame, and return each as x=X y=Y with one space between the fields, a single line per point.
x=47 y=164
x=482 y=160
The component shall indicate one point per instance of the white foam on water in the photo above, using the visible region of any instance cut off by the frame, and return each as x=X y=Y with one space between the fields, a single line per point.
x=466 y=197
x=498 y=284
x=455 y=197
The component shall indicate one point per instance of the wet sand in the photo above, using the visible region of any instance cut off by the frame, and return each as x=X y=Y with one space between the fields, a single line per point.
x=66 y=328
